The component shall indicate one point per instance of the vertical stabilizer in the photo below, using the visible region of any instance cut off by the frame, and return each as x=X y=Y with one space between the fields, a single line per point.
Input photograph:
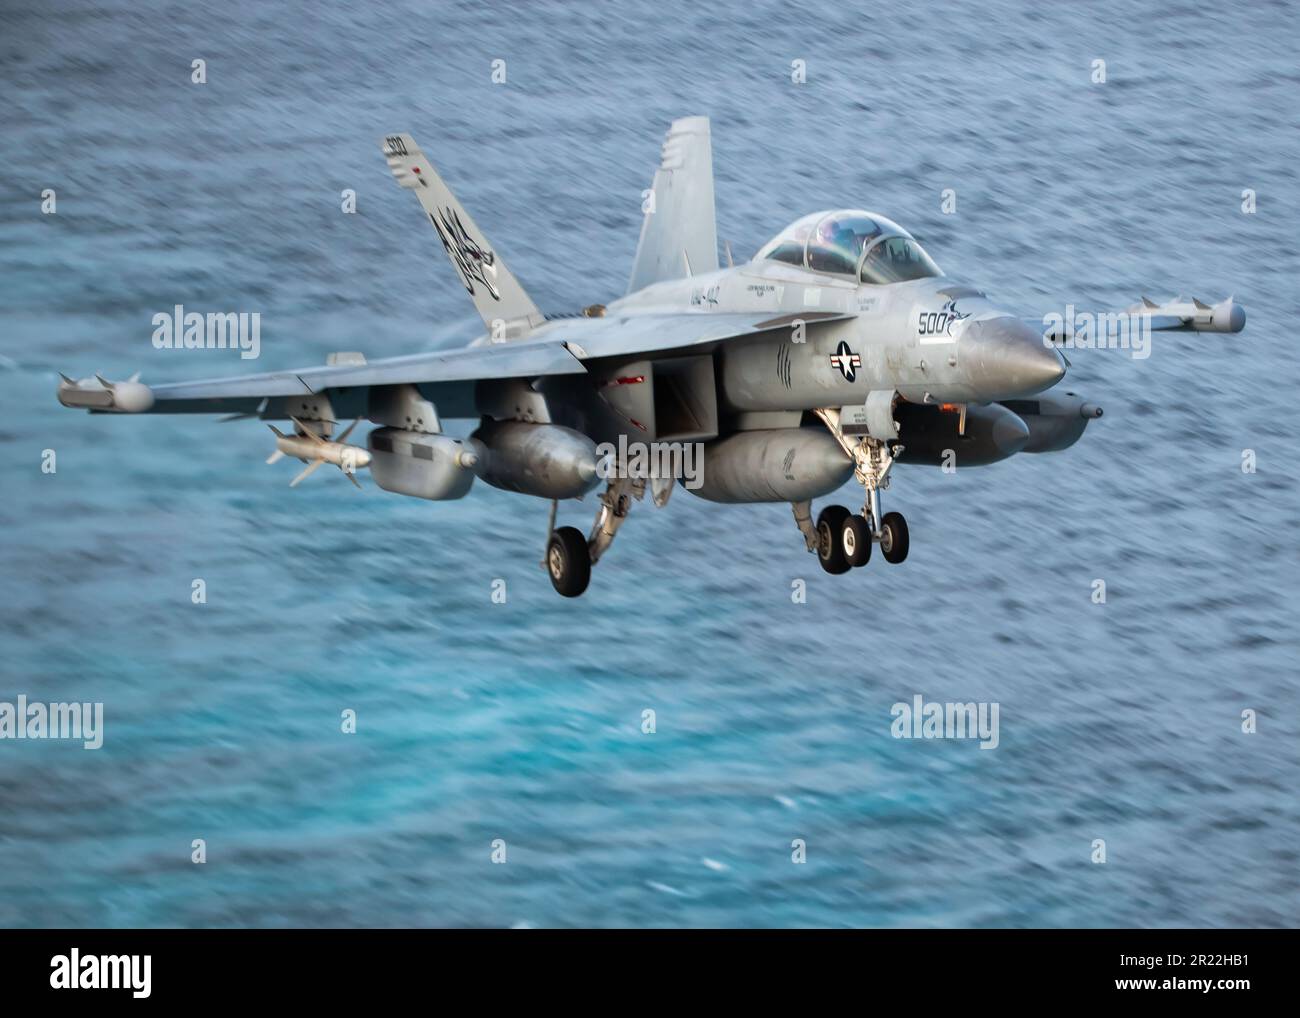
x=679 y=229
x=495 y=291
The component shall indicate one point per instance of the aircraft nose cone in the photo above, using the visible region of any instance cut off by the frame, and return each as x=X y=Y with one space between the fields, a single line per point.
x=1010 y=359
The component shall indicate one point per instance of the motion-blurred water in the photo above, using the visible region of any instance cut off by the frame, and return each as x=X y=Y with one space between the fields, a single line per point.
x=522 y=721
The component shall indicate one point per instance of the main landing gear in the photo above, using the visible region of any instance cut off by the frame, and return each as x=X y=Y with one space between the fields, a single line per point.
x=570 y=556
x=568 y=561
x=841 y=539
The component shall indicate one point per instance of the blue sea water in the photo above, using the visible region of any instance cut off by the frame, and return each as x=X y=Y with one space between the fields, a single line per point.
x=522 y=721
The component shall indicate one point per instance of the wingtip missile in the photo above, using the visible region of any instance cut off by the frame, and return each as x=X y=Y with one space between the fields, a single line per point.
x=98 y=393
x=1194 y=315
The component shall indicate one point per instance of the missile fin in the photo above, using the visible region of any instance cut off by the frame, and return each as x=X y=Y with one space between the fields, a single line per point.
x=311 y=467
x=347 y=431
x=275 y=457
x=1147 y=302
x=1199 y=306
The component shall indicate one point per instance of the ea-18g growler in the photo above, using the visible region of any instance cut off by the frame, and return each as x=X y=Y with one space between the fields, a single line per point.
x=838 y=351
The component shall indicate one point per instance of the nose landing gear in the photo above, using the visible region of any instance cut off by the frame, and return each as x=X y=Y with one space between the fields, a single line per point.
x=843 y=540
x=856 y=538
x=830 y=540
x=893 y=538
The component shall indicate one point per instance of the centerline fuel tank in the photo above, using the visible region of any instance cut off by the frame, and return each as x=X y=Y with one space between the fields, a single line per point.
x=774 y=465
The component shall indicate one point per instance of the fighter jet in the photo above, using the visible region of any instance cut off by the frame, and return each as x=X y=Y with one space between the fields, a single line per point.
x=837 y=351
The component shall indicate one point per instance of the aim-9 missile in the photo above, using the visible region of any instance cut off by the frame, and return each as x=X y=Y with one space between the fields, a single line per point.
x=98 y=393
x=1193 y=315
x=314 y=450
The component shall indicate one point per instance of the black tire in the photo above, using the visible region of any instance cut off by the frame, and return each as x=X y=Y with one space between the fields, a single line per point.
x=830 y=547
x=568 y=561
x=855 y=540
x=893 y=538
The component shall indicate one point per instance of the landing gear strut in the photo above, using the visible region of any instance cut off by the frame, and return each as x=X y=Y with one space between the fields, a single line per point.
x=844 y=539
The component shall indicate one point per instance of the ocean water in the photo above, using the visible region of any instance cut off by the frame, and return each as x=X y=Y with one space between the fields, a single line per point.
x=522 y=721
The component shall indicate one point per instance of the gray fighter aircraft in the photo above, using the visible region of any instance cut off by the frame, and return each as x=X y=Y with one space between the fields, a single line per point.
x=839 y=350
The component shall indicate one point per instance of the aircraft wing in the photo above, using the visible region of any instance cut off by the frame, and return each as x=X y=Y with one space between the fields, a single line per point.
x=630 y=335
x=447 y=378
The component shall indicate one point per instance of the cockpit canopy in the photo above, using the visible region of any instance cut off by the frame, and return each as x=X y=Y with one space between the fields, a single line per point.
x=851 y=242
